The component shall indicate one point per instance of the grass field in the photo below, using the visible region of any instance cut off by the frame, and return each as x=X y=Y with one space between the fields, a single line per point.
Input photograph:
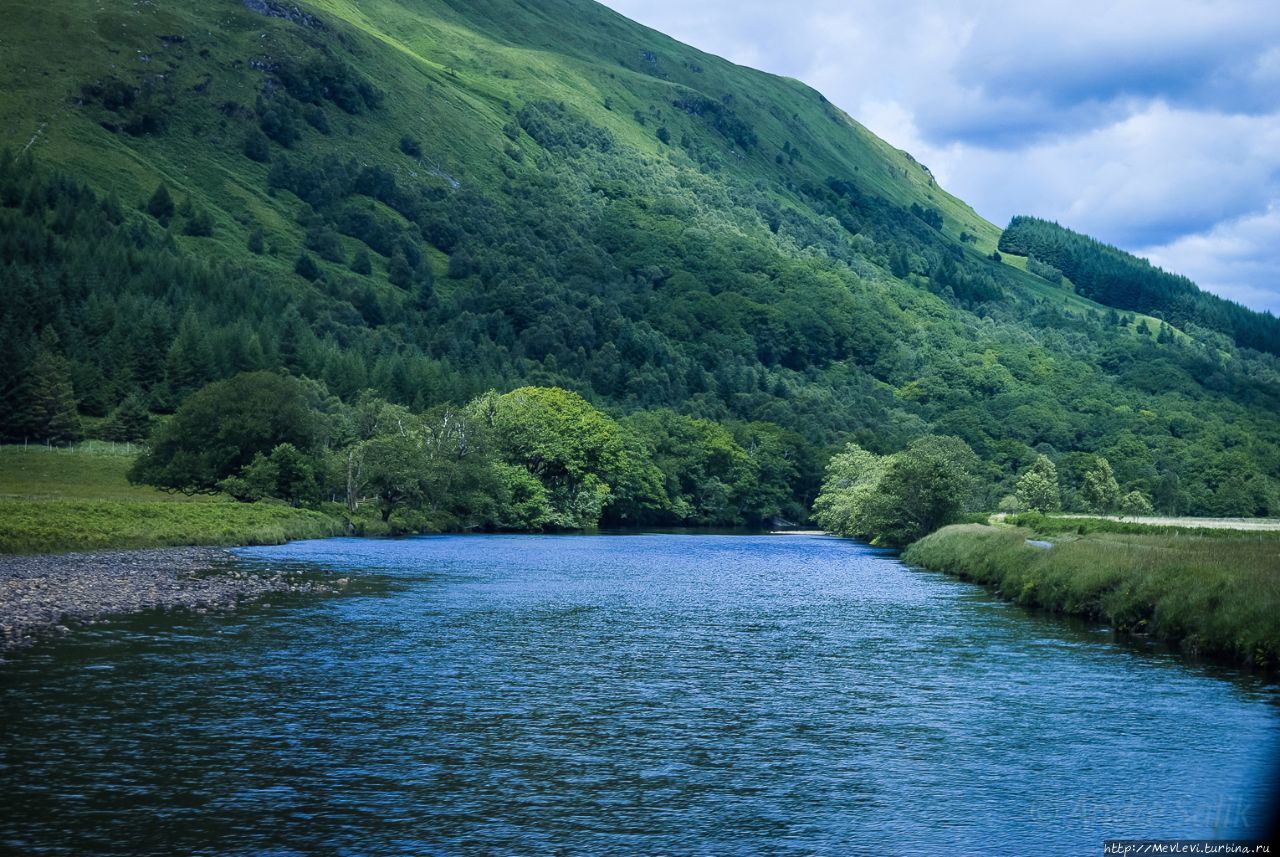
x=1261 y=525
x=92 y=470
x=1056 y=524
x=1210 y=594
x=79 y=499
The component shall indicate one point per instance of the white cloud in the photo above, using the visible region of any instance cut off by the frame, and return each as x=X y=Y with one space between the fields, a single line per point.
x=1150 y=123
x=1155 y=175
x=1239 y=256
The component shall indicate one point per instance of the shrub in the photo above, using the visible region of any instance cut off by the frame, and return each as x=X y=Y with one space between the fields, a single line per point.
x=256 y=147
x=410 y=147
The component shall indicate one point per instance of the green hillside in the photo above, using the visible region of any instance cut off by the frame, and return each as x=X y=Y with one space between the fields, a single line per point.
x=1123 y=281
x=436 y=198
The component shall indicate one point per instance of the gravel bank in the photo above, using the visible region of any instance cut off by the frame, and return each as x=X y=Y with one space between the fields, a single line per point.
x=38 y=594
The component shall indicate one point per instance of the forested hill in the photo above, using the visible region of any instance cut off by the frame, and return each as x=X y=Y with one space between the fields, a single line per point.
x=438 y=198
x=1118 y=279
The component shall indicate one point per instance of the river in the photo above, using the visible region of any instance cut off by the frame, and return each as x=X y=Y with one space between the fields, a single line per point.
x=620 y=694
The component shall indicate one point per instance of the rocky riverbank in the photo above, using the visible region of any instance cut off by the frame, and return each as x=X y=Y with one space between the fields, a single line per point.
x=41 y=594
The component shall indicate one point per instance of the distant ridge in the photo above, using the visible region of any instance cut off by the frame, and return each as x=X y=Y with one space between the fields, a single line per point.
x=1118 y=279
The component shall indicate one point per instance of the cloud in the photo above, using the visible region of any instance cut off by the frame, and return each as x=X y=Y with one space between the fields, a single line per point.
x=1148 y=124
x=967 y=68
x=1235 y=255
x=1158 y=174
x=1185 y=52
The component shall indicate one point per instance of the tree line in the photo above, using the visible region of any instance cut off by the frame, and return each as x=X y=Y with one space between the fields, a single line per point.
x=535 y=458
x=896 y=499
x=1121 y=280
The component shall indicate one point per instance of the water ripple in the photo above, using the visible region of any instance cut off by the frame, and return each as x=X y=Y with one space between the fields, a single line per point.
x=648 y=694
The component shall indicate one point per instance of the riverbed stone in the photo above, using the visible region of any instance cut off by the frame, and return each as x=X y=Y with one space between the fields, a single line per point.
x=41 y=594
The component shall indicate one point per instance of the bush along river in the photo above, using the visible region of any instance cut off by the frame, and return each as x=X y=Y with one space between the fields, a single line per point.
x=620 y=694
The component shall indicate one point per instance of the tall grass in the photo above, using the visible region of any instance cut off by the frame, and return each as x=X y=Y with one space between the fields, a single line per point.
x=62 y=525
x=1209 y=595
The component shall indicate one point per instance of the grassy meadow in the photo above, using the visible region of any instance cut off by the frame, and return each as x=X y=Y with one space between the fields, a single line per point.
x=1214 y=594
x=77 y=498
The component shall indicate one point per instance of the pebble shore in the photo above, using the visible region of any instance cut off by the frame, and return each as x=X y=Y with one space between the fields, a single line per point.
x=40 y=594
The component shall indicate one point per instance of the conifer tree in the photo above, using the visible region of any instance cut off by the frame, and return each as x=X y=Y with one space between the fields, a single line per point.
x=161 y=205
x=306 y=267
x=256 y=147
x=190 y=362
x=399 y=272
x=361 y=263
x=15 y=356
x=48 y=399
x=129 y=422
x=199 y=224
x=1168 y=494
x=149 y=344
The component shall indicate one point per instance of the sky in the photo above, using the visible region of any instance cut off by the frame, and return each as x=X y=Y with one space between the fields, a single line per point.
x=1153 y=125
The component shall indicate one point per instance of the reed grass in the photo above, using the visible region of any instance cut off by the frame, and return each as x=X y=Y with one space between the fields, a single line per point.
x=1211 y=595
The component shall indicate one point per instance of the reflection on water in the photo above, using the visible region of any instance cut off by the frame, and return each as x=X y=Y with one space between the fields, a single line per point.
x=620 y=694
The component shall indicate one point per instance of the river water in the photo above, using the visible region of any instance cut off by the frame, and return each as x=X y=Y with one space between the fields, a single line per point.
x=620 y=694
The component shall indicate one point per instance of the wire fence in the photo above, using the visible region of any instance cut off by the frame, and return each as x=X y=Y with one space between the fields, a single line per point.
x=96 y=447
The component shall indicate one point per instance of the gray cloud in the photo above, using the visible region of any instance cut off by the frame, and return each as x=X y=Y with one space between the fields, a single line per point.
x=1235 y=255
x=1151 y=124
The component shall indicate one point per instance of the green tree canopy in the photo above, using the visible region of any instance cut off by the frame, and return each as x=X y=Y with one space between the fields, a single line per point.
x=1037 y=489
x=852 y=478
x=47 y=410
x=395 y=467
x=161 y=205
x=286 y=473
x=707 y=477
x=896 y=499
x=222 y=427
x=924 y=487
x=572 y=448
x=130 y=421
x=1100 y=492
x=1135 y=503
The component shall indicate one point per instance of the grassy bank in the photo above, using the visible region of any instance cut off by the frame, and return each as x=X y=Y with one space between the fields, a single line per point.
x=78 y=499
x=1211 y=595
x=1228 y=528
x=62 y=525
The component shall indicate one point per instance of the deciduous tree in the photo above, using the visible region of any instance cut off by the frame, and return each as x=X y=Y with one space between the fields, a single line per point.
x=1100 y=492
x=222 y=427
x=1037 y=489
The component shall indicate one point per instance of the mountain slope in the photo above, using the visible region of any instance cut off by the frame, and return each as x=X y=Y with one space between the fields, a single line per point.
x=434 y=198
x=1123 y=281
